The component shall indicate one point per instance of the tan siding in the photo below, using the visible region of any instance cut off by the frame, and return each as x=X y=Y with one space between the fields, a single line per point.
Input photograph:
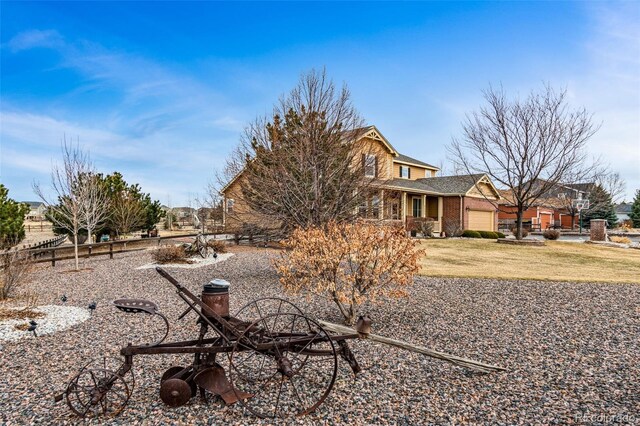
x=416 y=172
x=484 y=190
x=242 y=213
x=377 y=148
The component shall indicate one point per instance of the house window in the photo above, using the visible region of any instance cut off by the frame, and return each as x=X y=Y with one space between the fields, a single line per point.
x=417 y=207
x=405 y=172
x=375 y=207
x=230 y=203
x=395 y=210
x=370 y=162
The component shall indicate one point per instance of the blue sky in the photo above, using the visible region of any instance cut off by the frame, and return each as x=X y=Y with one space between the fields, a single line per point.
x=162 y=91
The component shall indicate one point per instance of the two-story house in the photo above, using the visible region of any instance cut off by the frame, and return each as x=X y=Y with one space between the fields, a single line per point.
x=407 y=188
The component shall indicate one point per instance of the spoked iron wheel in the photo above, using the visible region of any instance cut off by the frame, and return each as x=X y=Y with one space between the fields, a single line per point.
x=97 y=392
x=202 y=246
x=266 y=306
x=287 y=362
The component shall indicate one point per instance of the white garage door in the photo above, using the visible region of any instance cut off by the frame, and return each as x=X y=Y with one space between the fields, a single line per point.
x=480 y=220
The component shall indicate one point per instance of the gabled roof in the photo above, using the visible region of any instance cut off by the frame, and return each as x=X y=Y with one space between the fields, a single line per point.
x=372 y=132
x=442 y=185
x=401 y=158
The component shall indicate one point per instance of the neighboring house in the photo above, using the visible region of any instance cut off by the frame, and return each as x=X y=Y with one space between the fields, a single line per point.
x=37 y=210
x=406 y=188
x=555 y=209
x=623 y=210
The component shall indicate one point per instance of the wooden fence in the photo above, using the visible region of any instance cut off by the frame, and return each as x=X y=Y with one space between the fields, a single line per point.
x=109 y=248
x=52 y=242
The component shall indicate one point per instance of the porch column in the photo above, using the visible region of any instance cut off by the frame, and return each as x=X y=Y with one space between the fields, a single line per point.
x=381 y=209
x=404 y=207
x=440 y=214
x=424 y=206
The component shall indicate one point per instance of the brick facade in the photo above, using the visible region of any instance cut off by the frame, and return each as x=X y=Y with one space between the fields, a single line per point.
x=451 y=212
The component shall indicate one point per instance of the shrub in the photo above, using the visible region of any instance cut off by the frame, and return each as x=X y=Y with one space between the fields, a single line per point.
x=501 y=235
x=14 y=268
x=421 y=225
x=488 y=234
x=349 y=263
x=170 y=254
x=551 y=234
x=514 y=231
x=621 y=240
x=452 y=228
x=471 y=234
x=218 y=246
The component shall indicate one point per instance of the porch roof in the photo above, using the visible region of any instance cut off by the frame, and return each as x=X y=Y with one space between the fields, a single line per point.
x=442 y=185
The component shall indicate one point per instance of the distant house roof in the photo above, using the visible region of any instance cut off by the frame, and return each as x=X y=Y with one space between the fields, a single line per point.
x=442 y=185
x=582 y=187
x=406 y=159
x=34 y=204
x=624 y=208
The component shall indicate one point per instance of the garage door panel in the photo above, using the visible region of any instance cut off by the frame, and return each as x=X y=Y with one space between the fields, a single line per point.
x=480 y=220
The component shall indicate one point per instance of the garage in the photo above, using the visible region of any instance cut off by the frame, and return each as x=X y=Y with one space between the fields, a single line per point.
x=546 y=220
x=480 y=220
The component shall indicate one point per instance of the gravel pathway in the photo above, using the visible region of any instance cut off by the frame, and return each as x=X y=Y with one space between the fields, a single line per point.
x=571 y=349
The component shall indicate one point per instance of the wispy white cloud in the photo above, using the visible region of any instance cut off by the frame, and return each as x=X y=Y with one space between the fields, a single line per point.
x=163 y=127
x=34 y=39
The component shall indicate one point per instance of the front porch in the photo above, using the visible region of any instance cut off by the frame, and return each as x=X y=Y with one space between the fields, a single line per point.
x=404 y=207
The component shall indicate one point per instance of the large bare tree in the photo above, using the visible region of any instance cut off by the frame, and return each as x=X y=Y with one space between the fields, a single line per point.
x=77 y=204
x=94 y=203
x=298 y=166
x=526 y=146
x=127 y=213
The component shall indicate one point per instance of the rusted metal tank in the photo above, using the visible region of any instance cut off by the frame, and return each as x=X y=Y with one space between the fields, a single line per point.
x=215 y=294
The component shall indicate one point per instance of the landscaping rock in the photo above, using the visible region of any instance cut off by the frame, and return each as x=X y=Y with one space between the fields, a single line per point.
x=571 y=349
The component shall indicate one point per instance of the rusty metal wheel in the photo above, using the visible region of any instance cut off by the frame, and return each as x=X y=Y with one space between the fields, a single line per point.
x=287 y=361
x=266 y=306
x=202 y=246
x=97 y=392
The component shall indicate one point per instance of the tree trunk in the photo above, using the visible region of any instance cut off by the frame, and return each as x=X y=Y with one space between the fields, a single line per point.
x=75 y=249
x=519 y=223
x=89 y=236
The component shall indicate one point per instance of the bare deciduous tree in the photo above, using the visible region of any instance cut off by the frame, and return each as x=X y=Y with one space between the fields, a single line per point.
x=527 y=146
x=298 y=166
x=127 y=213
x=94 y=203
x=77 y=205
x=209 y=206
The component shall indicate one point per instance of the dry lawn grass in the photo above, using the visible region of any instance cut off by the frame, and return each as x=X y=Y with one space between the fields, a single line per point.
x=557 y=261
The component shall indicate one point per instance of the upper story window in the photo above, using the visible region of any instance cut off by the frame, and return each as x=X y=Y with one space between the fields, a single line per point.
x=405 y=172
x=230 y=203
x=370 y=165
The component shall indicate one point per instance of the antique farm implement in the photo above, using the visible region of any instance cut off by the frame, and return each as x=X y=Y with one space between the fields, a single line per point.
x=279 y=362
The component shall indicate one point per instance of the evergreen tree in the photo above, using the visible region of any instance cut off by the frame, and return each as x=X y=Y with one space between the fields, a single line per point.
x=635 y=210
x=11 y=219
x=601 y=207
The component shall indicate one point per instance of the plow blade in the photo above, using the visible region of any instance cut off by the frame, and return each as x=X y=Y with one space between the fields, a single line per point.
x=215 y=381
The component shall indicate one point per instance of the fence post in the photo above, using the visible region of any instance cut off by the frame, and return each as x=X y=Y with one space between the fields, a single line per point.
x=89 y=255
x=53 y=257
x=110 y=250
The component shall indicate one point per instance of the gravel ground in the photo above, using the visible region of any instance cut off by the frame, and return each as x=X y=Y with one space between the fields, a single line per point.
x=571 y=349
